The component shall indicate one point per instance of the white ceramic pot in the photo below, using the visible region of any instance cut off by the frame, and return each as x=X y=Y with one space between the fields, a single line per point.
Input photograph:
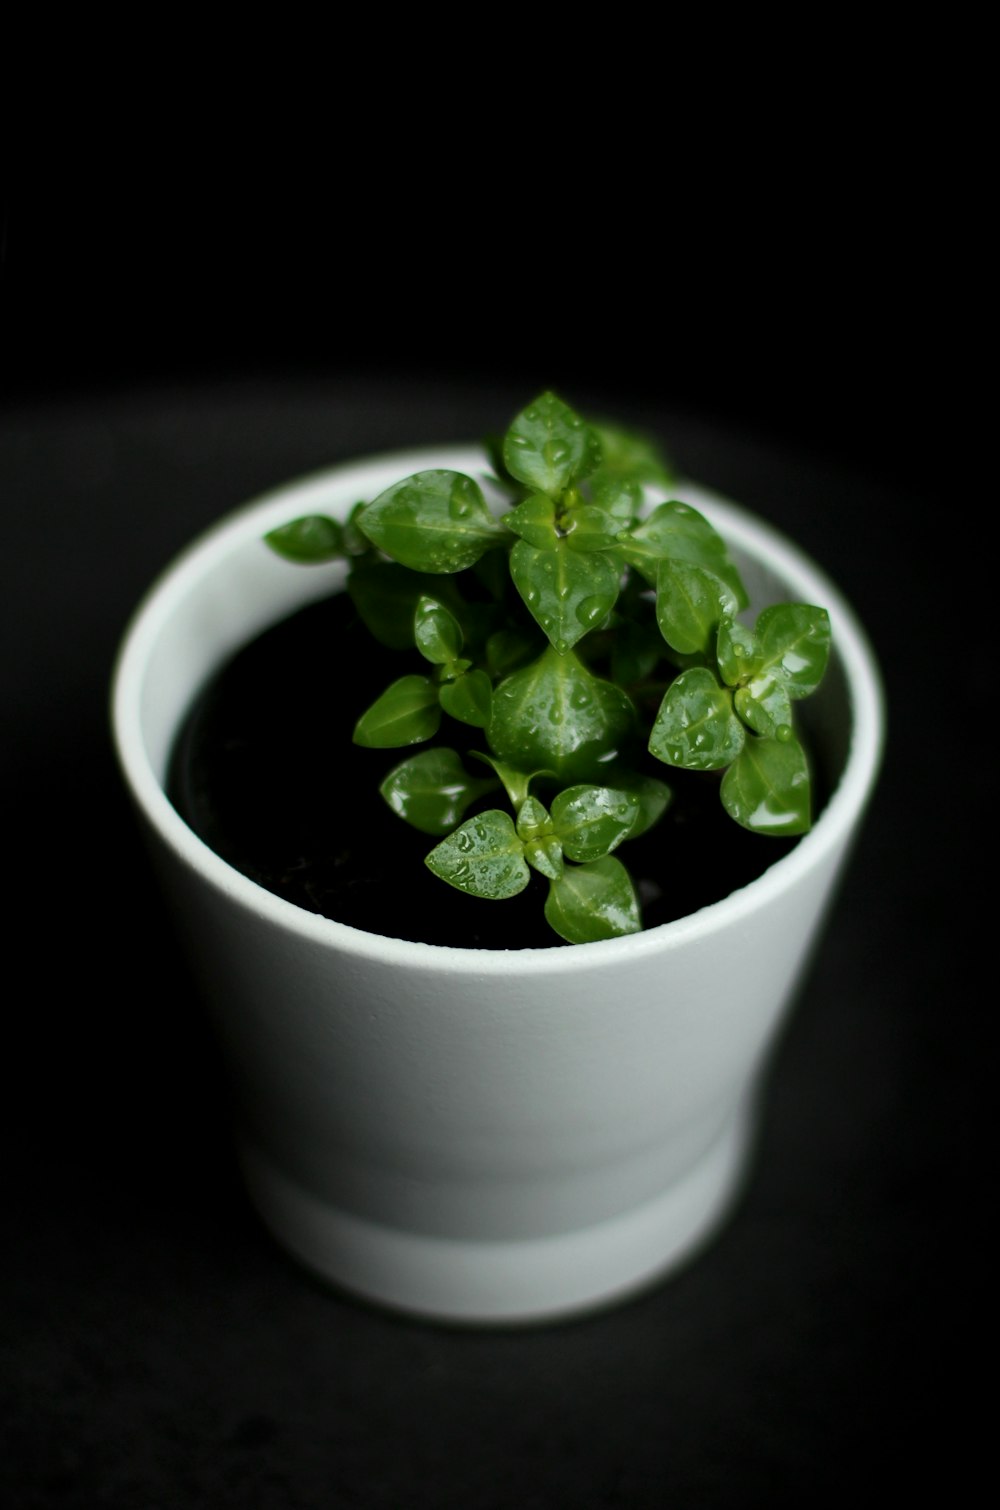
x=469 y=1134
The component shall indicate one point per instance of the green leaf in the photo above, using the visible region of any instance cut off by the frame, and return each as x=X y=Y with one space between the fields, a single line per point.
x=436 y=632
x=406 y=713
x=542 y=849
x=696 y=727
x=431 y=790
x=737 y=652
x=767 y=788
x=593 y=901
x=653 y=797
x=590 y=528
x=690 y=604
x=469 y=698
x=484 y=857
x=795 y=637
x=591 y=821
x=386 y=596
x=548 y=445
x=435 y=521
x=630 y=455
x=618 y=496
x=534 y=520
x=555 y=715
x=311 y=539
x=566 y=593
x=677 y=532
x=764 y=705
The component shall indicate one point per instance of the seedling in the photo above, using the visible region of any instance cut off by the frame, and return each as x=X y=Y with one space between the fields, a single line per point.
x=577 y=632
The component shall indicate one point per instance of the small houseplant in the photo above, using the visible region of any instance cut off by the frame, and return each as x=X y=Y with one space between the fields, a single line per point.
x=515 y=1135
x=569 y=634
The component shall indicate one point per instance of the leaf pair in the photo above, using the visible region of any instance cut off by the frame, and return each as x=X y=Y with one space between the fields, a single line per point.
x=489 y=856
x=409 y=711
x=743 y=722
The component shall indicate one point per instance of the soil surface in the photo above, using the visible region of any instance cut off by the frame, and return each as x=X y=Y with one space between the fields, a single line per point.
x=265 y=772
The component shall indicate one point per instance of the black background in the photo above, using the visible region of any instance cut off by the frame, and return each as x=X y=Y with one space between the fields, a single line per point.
x=165 y=358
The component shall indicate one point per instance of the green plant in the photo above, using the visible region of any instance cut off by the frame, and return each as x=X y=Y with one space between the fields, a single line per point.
x=575 y=631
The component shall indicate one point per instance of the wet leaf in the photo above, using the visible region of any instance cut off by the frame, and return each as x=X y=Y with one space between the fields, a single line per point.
x=591 y=821
x=767 y=787
x=690 y=604
x=534 y=520
x=386 y=596
x=593 y=901
x=764 y=705
x=631 y=456
x=555 y=715
x=653 y=797
x=696 y=727
x=406 y=713
x=483 y=857
x=548 y=445
x=677 y=532
x=469 y=698
x=737 y=652
x=437 y=634
x=566 y=593
x=432 y=790
x=796 y=638
x=435 y=521
x=308 y=540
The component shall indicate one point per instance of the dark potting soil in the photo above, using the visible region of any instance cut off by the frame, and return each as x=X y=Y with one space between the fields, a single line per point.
x=265 y=773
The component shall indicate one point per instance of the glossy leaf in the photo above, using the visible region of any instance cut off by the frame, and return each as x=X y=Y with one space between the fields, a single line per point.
x=534 y=520
x=621 y=497
x=593 y=901
x=631 y=456
x=652 y=796
x=555 y=715
x=690 y=604
x=677 y=532
x=386 y=596
x=591 y=821
x=767 y=787
x=589 y=529
x=469 y=698
x=737 y=652
x=437 y=634
x=795 y=637
x=696 y=727
x=435 y=521
x=542 y=848
x=483 y=857
x=432 y=790
x=566 y=593
x=548 y=445
x=764 y=705
x=406 y=713
x=308 y=540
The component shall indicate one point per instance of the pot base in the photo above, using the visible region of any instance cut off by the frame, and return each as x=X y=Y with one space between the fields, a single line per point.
x=520 y=1281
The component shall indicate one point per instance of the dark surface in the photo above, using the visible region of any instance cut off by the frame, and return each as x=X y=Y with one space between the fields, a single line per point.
x=158 y=1349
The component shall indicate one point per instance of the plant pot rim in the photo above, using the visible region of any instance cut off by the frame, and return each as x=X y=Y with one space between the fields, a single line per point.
x=366 y=476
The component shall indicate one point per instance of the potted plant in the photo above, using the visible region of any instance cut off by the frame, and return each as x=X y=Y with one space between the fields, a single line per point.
x=515 y=1133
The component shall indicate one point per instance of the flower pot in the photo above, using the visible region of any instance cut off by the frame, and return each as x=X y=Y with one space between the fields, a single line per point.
x=466 y=1134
